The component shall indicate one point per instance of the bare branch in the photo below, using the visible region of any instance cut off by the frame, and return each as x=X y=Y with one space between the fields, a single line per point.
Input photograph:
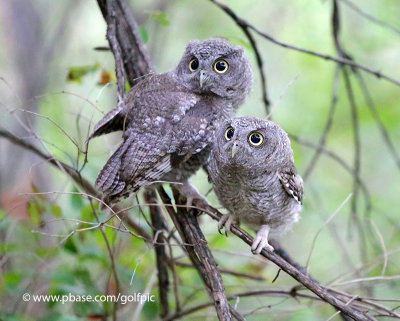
x=339 y=60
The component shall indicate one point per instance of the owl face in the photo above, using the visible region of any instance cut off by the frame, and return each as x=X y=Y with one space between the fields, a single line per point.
x=215 y=66
x=251 y=143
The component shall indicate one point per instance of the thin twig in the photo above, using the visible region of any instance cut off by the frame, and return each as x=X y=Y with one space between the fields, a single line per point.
x=338 y=60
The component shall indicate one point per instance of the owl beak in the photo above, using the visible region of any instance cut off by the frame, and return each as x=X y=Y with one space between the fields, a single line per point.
x=203 y=77
x=235 y=148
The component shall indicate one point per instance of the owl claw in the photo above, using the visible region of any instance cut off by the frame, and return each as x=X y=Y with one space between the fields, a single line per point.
x=261 y=241
x=225 y=222
x=192 y=194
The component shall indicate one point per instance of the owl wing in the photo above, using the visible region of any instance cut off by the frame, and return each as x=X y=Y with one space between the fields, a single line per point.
x=292 y=183
x=112 y=121
x=153 y=122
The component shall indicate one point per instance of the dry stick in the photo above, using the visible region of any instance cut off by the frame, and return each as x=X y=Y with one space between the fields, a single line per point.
x=366 y=15
x=372 y=107
x=356 y=126
x=227 y=271
x=253 y=43
x=76 y=177
x=339 y=60
x=200 y=255
x=161 y=257
x=328 y=125
x=340 y=161
x=116 y=49
x=135 y=57
x=306 y=280
x=274 y=293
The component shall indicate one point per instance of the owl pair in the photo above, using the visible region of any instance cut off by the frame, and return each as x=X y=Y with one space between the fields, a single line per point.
x=169 y=122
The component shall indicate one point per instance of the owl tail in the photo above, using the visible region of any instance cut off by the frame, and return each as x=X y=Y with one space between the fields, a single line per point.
x=108 y=180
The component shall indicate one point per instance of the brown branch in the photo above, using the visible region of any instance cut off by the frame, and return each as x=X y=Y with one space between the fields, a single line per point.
x=158 y=225
x=306 y=280
x=226 y=271
x=135 y=57
x=355 y=125
x=328 y=126
x=253 y=43
x=273 y=293
x=366 y=15
x=377 y=118
x=339 y=60
x=199 y=253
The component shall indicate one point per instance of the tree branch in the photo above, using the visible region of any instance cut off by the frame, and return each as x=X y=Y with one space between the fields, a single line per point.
x=339 y=60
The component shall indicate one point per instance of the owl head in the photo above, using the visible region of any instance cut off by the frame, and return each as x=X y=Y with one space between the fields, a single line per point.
x=215 y=66
x=252 y=143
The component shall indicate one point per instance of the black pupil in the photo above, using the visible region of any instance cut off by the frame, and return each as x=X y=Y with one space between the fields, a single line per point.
x=221 y=65
x=255 y=138
x=194 y=64
x=229 y=133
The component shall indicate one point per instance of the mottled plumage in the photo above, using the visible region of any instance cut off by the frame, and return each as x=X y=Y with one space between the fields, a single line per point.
x=252 y=170
x=169 y=119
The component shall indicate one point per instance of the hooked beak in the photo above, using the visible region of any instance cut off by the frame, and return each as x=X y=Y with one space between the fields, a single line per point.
x=235 y=148
x=203 y=77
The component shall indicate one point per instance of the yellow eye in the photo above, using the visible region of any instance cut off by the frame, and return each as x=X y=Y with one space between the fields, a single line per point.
x=193 y=65
x=229 y=133
x=221 y=66
x=255 y=139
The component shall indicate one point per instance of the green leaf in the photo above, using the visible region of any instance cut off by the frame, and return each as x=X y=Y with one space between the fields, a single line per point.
x=160 y=17
x=75 y=74
x=35 y=210
x=144 y=34
x=57 y=211
x=70 y=245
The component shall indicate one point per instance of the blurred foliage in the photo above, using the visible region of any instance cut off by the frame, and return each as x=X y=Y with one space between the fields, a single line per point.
x=40 y=253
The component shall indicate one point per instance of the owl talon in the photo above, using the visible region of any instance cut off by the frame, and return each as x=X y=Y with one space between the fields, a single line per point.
x=192 y=195
x=261 y=241
x=225 y=222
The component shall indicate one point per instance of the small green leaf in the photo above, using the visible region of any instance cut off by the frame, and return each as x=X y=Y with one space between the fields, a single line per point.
x=144 y=34
x=160 y=17
x=35 y=211
x=57 y=211
x=75 y=74
x=70 y=245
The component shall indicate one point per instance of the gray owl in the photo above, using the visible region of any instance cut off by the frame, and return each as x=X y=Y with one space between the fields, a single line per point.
x=169 y=119
x=254 y=177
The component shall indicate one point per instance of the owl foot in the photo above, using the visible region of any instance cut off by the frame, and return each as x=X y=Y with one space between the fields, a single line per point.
x=192 y=195
x=261 y=241
x=225 y=221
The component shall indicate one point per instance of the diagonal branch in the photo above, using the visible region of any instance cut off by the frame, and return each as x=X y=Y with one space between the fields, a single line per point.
x=199 y=253
x=305 y=279
x=339 y=60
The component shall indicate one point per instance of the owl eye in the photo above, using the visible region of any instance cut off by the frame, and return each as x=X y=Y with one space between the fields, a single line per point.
x=221 y=66
x=229 y=133
x=255 y=139
x=193 y=65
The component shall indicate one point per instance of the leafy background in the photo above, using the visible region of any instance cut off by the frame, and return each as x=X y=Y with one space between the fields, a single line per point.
x=37 y=253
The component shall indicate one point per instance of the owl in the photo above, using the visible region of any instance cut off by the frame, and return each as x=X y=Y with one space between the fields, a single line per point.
x=168 y=120
x=252 y=170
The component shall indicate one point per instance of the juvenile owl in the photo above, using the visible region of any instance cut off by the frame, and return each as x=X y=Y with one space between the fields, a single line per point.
x=254 y=177
x=169 y=119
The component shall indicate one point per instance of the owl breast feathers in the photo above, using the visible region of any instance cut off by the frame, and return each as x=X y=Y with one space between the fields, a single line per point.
x=169 y=119
x=252 y=170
